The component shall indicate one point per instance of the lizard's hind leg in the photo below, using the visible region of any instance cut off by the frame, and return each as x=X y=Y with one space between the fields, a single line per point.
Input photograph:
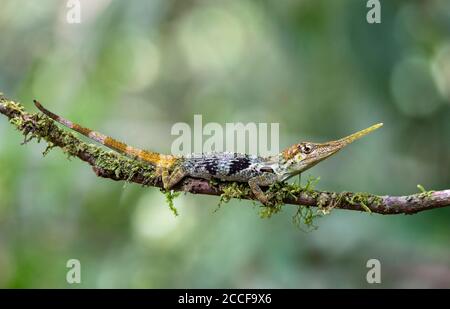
x=255 y=184
x=171 y=179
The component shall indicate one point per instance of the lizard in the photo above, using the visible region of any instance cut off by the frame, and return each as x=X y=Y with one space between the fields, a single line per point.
x=256 y=171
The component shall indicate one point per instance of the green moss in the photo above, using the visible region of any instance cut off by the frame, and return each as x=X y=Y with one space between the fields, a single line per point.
x=170 y=197
x=424 y=193
x=123 y=167
x=49 y=147
x=11 y=105
x=304 y=218
x=325 y=203
x=268 y=211
x=311 y=183
x=278 y=193
x=233 y=190
x=363 y=199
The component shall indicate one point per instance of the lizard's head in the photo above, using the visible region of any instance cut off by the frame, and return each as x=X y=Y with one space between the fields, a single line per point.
x=302 y=156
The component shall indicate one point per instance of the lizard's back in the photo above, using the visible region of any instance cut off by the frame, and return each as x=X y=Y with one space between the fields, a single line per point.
x=224 y=165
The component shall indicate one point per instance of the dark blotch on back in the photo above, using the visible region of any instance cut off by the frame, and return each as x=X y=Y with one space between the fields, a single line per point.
x=211 y=167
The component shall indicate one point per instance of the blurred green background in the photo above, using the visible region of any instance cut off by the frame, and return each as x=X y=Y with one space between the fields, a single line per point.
x=132 y=69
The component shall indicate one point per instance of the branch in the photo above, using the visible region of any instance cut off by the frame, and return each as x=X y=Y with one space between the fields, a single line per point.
x=113 y=166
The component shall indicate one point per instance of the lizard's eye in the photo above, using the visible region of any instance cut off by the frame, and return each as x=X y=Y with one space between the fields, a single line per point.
x=306 y=148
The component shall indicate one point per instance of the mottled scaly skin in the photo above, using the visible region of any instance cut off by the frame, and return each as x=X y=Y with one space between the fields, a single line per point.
x=225 y=166
x=256 y=171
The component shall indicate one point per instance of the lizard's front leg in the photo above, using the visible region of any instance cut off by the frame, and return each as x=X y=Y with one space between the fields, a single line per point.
x=255 y=183
x=171 y=179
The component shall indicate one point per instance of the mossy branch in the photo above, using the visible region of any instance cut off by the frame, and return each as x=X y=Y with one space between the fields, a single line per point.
x=113 y=166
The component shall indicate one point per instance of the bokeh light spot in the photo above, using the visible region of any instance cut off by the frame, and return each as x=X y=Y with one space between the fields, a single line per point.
x=413 y=88
x=144 y=68
x=441 y=70
x=153 y=219
x=211 y=38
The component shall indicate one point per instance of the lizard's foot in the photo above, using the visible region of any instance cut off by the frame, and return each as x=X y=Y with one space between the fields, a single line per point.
x=265 y=199
x=171 y=179
x=263 y=180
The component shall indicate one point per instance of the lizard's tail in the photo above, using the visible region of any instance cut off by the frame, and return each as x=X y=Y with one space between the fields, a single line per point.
x=152 y=158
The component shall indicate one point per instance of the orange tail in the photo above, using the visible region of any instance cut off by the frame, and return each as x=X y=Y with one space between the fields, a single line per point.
x=152 y=158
